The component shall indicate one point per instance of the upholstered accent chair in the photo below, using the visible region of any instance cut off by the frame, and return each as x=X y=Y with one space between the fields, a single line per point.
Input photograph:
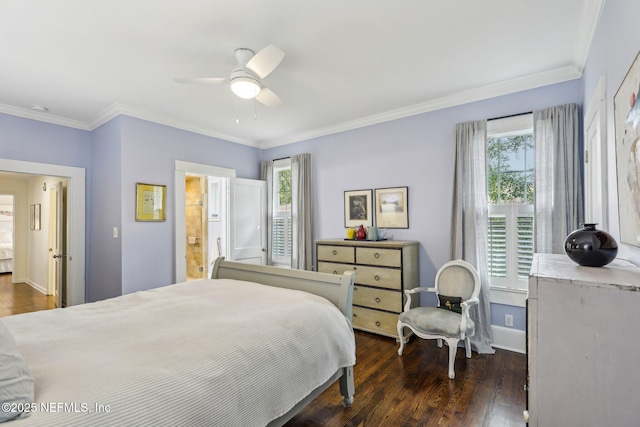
x=457 y=286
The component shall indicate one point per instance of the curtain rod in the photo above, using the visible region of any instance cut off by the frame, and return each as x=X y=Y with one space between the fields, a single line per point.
x=512 y=115
x=282 y=158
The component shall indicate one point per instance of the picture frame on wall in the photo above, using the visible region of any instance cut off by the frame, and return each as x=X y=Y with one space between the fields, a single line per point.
x=392 y=207
x=626 y=105
x=34 y=216
x=151 y=202
x=358 y=208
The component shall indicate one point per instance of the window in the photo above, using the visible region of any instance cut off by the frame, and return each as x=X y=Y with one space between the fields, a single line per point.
x=282 y=232
x=511 y=196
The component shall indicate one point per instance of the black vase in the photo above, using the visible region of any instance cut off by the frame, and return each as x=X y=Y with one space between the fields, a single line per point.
x=590 y=247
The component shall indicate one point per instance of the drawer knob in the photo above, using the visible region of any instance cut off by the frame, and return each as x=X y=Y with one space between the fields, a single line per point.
x=378 y=300
x=376 y=277
x=335 y=272
x=355 y=315
x=377 y=323
x=335 y=252
x=377 y=255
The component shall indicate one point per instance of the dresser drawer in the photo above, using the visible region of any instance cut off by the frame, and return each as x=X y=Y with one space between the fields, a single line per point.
x=377 y=298
x=334 y=268
x=376 y=256
x=375 y=321
x=336 y=253
x=378 y=276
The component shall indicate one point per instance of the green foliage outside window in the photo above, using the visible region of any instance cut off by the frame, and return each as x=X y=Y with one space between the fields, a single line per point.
x=510 y=170
x=284 y=189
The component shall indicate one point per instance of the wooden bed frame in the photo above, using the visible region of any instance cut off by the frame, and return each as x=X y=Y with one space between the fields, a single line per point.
x=335 y=288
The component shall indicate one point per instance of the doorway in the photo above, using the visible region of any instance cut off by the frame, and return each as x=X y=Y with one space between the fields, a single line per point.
x=74 y=221
x=205 y=223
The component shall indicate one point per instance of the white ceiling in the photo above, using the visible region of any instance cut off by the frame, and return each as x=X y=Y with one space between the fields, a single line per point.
x=347 y=64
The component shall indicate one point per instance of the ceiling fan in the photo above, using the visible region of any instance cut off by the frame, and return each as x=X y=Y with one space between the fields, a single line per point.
x=246 y=79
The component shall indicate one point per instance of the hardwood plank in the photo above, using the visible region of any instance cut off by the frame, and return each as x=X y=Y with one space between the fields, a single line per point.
x=17 y=298
x=414 y=389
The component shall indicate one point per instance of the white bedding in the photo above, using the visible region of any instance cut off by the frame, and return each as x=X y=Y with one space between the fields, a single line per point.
x=6 y=251
x=208 y=352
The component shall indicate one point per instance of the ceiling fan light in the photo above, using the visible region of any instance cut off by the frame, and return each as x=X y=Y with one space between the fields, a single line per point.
x=245 y=87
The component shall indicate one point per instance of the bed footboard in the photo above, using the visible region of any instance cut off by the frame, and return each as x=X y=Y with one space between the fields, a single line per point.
x=336 y=288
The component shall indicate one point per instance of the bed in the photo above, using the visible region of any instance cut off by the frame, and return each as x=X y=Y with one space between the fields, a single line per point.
x=6 y=250
x=213 y=352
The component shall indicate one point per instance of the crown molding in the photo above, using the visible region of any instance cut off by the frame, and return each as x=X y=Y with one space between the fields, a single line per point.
x=507 y=87
x=533 y=81
x=42 y=117
x=115 y=110
x=587 y=26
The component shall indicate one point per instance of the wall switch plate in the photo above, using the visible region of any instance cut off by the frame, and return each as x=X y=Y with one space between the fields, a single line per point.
x=508 y=320
x=115 y=232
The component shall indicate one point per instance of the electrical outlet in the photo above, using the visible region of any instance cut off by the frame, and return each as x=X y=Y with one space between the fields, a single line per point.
x=508 y=320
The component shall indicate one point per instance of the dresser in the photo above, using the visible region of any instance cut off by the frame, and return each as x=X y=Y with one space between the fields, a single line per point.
x=383 y=270
x=583 y=355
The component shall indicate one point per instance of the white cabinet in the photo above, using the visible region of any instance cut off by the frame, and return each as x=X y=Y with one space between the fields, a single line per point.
x=583 y=352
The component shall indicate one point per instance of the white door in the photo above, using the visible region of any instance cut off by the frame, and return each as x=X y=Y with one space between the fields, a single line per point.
x=248 y=221
x=57 y=257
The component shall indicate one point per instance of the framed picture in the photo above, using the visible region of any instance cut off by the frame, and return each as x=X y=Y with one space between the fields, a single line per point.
x=357 y=208
x=627 y=123
x=392 y=207
x=34 y=216
x=150 y=202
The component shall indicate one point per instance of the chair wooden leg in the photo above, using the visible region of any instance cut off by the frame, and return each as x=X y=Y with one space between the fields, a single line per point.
x=467 y=347
x=453 y=347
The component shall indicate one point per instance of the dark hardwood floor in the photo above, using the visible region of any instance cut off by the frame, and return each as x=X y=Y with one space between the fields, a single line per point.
x=16 y=298
x=414 y=389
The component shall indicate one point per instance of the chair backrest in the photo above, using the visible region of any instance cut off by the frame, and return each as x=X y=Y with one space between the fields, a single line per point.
x=458 y=278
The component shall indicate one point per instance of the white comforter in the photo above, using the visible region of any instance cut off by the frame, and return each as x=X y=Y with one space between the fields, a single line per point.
x=6 y=251
x=207 y=352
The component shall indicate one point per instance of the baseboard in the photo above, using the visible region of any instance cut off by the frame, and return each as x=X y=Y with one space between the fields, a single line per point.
x=36 y=286
x=509 y=339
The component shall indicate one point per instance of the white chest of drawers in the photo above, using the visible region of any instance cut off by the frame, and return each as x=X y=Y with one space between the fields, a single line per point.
x=383 y=270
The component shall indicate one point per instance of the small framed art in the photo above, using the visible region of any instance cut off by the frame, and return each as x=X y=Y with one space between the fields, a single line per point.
x=358 y=208
x=150 y=202
x=392 y=207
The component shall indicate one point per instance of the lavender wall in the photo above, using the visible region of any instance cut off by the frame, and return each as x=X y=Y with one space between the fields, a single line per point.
x=34 y=141
x=149 y=152
x=105 y=276
x=614 y=47
x=417 y=152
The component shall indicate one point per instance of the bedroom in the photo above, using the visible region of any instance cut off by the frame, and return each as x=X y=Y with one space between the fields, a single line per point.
x=115 y=156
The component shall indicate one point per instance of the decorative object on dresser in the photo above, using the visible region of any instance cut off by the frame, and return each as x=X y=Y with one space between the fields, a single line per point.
x=383 y=271
x=392 y=207
x=457 y=285
x=590 y=247
x=358 y=208
x=582 y=356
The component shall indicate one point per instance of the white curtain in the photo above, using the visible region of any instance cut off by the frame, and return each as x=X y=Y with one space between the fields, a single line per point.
x=470 y=215
x=559 y=207
x=301 y=212
x=266 y=174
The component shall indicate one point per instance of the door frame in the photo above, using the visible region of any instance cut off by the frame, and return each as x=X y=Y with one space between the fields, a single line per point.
x=595 y=166
x=75 y=233
x=182 y=168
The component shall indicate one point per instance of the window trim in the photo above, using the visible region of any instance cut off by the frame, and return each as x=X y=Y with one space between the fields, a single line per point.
x=509 y=126
x=279 y=165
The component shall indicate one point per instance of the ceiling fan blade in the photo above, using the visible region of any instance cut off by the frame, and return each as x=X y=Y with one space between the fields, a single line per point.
x=202 y=80
x=268 y=98
x=265 y=61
